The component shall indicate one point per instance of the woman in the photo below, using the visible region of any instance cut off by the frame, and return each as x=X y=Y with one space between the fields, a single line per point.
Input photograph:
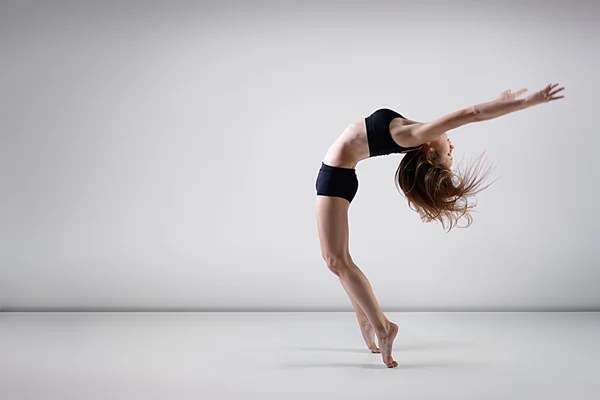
x=424 y=175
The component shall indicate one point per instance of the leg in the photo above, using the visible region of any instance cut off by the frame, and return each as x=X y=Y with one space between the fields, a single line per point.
x=366 y=328
x=332 y=222
x=368 y=333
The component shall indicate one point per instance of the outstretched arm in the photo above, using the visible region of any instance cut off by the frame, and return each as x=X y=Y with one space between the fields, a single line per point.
x=416 y=134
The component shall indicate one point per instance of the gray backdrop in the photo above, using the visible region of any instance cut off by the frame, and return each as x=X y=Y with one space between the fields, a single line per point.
x=162 y=156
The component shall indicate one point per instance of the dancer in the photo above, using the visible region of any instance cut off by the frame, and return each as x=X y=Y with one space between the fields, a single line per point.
x=432 y=189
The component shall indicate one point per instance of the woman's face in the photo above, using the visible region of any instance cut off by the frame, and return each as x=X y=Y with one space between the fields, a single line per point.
x=443 y=146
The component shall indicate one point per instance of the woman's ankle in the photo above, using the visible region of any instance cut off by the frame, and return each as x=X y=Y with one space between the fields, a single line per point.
x=384 y=329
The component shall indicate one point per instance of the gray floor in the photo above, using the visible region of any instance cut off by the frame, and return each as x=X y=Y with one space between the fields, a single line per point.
x=297 y=356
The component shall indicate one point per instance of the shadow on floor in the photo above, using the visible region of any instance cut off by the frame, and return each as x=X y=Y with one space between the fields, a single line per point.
x=401 y=366
x=424 y=346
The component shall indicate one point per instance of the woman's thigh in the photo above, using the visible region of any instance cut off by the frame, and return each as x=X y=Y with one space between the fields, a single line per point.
x=332 y=224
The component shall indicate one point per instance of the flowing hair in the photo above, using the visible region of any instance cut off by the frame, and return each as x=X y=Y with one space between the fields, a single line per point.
x=436 y=192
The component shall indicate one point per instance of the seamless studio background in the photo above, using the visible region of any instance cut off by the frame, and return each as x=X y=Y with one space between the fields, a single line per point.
x=162 y=155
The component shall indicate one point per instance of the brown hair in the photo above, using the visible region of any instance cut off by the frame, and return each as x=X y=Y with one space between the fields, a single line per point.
x=436 y=192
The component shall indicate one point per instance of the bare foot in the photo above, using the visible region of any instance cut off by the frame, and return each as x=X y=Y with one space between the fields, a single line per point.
x=368 y=333
x=386 y=342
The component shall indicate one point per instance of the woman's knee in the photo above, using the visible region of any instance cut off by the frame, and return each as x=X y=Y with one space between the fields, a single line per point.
x=337 y=263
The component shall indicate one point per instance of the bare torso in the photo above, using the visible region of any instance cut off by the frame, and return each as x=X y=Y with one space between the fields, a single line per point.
x=352 y=145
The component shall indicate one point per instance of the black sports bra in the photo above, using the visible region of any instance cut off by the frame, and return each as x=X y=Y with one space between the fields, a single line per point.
x=379 y=136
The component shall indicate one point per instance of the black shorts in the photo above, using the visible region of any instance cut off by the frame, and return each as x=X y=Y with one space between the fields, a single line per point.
x=337 y=182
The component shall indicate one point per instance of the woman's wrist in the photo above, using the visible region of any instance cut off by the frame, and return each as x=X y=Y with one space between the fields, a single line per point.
x=527 y=102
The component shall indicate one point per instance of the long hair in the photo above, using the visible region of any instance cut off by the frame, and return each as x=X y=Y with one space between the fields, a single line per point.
x=436 y=192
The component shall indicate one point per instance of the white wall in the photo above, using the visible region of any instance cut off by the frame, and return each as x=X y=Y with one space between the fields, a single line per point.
x=164 y=156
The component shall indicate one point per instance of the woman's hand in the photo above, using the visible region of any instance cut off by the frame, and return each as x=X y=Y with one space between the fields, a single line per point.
x=508 y=96
x=544 y=96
